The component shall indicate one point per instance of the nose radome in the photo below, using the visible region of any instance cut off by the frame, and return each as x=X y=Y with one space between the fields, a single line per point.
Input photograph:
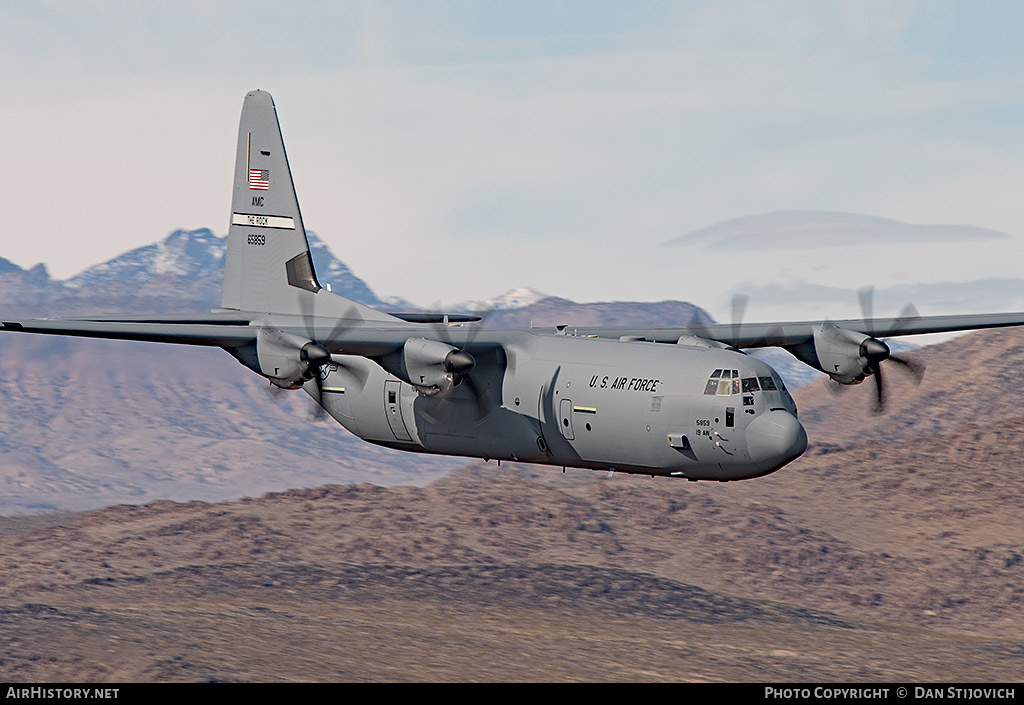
x=774 y=439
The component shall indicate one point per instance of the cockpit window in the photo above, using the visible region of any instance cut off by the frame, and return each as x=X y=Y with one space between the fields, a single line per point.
x=724 y=383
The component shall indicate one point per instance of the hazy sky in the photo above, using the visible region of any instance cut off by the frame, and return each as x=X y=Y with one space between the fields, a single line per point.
x=452 y=150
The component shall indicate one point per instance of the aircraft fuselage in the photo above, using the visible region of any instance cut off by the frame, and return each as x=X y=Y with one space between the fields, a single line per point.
x=700 y=413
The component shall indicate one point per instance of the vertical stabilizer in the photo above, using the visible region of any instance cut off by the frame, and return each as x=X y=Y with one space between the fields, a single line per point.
x=268 y=266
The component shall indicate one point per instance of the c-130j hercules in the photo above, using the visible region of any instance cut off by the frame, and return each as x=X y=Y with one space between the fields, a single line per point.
x=676 y=401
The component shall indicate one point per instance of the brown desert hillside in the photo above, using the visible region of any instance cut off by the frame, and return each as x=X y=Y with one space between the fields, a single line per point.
x=972 y=380
x=859 y=564
x=892 y=550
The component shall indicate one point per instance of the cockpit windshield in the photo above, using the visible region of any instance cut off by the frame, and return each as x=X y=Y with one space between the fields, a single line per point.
x=725 y=383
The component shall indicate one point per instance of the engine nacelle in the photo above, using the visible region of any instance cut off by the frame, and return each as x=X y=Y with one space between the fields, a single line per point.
x=430 y=366
x=844 y=355
x=286 y=360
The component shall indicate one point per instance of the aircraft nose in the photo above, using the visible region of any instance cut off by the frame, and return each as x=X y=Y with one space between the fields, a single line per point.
x=774 y=439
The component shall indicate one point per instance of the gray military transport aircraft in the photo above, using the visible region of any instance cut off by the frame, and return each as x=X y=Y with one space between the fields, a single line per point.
x=672 y=401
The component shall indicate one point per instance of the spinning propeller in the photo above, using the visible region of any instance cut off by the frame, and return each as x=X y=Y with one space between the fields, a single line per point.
x=462 y=364
x=875 y=352
x=847 y=356
x=309 y=357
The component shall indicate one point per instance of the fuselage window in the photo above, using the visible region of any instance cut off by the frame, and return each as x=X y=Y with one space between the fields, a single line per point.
x=768 y=384
x=750 y=385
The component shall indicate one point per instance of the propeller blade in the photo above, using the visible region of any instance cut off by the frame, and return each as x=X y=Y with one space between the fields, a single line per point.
x=474 y=330
x=866 y=294
x=876 y=351
x=739 y=307
x=463 y=363
x=879 y=406
x=319 y=413
x=441 y=410
x=279 y=397
x=361 y=373
x=483 y=407
x=834 y=387
x=316 y=355
x=275 y=393
x=907 y=315
x=915 y=367
x=774 y=335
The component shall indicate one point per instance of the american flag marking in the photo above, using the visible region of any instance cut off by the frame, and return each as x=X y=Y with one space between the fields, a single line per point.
x=259 y=179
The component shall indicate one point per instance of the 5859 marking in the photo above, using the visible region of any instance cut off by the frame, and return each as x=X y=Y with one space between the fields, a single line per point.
x=256 y=239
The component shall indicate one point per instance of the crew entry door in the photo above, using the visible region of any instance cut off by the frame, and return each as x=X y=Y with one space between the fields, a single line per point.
x=393 y=409
x=565 y=418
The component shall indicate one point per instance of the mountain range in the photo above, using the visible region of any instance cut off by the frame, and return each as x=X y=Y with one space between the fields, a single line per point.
x=81 y=417
x=891 y=551
x=179 y=273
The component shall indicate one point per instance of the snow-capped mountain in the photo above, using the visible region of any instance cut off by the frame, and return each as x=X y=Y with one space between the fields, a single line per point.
x=516 y=298
x=199 y=254
x=511 y=300
x=189 y=254
x=331 y=270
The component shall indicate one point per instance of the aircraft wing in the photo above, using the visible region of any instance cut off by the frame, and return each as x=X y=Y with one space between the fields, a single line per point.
x=350 y=336
x=194 y=330
x=785 y=334
x=369 y=338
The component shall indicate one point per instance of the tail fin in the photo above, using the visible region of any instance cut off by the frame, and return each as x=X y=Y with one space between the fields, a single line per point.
x=268 y=267
x=268 y=261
